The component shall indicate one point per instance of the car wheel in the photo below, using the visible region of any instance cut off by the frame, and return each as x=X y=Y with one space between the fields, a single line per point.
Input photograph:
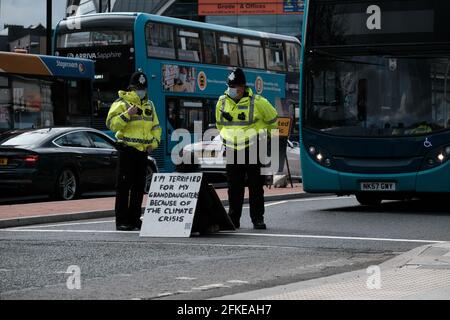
x=148 y=178
x=66 y=187
x=368 y=200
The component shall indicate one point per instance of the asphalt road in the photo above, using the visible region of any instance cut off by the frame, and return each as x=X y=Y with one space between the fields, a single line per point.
x=305 y=239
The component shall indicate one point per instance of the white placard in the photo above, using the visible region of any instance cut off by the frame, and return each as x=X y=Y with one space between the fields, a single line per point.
x=171 y=204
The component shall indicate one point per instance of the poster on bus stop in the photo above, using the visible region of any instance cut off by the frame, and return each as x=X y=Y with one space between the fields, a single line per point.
x=171 y=204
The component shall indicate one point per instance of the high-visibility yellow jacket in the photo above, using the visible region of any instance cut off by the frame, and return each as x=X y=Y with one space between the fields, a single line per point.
x=250 y=115
x=138 y=131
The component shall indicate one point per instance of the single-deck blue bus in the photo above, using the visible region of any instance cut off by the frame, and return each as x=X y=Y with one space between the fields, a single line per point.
x=375 y=95
x=40 y=91
x=187 y=64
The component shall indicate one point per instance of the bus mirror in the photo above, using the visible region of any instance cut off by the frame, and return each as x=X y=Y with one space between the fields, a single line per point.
x=362 y=99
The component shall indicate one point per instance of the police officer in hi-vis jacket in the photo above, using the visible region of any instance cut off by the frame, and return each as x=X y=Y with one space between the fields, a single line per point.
x=134 y=120
x=241 y=117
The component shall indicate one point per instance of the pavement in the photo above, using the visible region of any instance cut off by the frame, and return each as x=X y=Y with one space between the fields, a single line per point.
x=420 y=274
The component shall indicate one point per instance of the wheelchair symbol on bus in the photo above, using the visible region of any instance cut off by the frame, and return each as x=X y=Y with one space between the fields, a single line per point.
x=427 y=144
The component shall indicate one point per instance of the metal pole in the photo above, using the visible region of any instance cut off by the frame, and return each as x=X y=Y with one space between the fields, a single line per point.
x=49 y=27
x=109 y=5
x=289 y=171
x=100 y=6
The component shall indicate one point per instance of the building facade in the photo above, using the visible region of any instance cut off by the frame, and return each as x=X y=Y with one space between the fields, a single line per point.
x=17 y=38
x=282 y=17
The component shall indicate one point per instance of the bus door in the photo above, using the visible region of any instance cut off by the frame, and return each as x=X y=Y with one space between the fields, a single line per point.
x=183 y=113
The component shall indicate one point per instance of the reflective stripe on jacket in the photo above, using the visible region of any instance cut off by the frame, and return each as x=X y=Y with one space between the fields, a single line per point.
x=250 y=115
x=138 y=131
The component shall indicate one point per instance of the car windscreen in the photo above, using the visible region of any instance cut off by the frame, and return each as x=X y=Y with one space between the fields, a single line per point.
x=26 y=138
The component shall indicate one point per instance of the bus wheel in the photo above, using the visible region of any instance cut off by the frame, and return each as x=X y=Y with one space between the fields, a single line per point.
x=368 y=200
x=66 y=187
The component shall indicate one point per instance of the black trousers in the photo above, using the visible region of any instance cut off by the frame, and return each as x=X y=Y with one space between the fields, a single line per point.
x=131 y=174
x=238 y=175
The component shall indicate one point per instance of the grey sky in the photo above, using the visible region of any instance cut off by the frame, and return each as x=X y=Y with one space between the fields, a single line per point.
x=29 y=12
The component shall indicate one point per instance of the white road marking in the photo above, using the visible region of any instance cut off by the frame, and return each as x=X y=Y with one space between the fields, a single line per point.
x=68 y=231
x=165 y=294
x=29 y=229
x=305 y=236
x=321 y=199
x=238 y=281
x=185 y=278
x=66 y=224
x=211 y=286
x=184 y=291
x=304 y=200
x=245 y=207
x=275 y=203
x=330 y=237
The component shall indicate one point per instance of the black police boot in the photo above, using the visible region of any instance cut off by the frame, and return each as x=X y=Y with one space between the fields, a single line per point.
x=235 y=221
x=138 y=225
x=125 y=227
x=259 y=224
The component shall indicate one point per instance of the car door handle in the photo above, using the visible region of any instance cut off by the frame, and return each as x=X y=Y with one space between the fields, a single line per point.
x=79 y=157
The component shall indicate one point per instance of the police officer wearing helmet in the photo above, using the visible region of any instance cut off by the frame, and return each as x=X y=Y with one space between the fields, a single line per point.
x=134 y=120
x=241 y=117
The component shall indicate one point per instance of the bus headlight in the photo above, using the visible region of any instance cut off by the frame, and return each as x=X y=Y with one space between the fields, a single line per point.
x=320 y=156
x=436 y=157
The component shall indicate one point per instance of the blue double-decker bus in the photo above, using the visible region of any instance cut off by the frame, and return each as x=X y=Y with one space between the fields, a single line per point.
x=187 y=64
x=375 y=98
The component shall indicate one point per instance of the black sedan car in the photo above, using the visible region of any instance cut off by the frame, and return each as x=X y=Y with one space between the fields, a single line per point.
x=60 y=162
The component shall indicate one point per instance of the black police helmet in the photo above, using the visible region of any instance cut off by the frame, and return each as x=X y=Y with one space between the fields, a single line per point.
x=138 y=80
x=237 y=77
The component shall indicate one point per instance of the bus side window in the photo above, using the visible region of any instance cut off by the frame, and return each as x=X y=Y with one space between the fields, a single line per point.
x=209 y=45
x=253 y=53
x=293 y=57
x=31 y=102
x=160 y=42
x=275 y=56
x=229 y=51
x=188 y=45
